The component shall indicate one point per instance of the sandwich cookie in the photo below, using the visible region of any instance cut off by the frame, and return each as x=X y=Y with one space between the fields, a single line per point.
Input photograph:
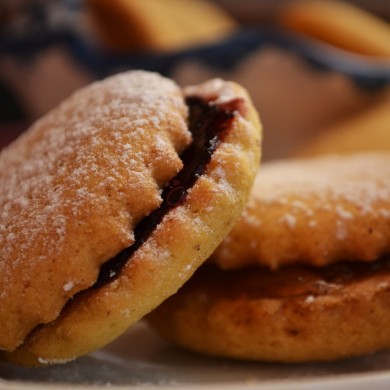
x=110 y=202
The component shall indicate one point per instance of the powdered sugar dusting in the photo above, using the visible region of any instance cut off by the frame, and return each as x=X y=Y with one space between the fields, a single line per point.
x=343 y=214
x=68 y=286
x=251 y=218
x=309 y=299
x=77 y=170
x=344 y=186
x=289 y=220
x=45 y=361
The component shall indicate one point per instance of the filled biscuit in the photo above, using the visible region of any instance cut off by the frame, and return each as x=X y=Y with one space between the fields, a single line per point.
x=339 y=23
x=110 y=202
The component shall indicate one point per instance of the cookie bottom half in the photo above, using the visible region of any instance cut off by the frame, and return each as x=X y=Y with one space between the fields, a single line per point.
x=295 y=314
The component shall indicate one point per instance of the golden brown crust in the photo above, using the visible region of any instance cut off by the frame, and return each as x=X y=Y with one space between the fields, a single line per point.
x=315 y=211
x=338 y=23
x=295 y=314
x=185 y=238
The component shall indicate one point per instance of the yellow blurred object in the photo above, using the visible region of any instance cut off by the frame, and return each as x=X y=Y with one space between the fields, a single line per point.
x=159 y=24
x=366 y=131
x=340 y=24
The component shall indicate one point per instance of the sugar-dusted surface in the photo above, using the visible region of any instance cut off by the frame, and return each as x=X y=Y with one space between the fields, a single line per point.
x=314 y=211
x=181 y=241
x=73 y=187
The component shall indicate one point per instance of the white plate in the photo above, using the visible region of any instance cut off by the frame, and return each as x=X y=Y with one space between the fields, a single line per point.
x=141 y=360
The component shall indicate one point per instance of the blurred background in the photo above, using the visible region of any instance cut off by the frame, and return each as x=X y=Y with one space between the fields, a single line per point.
x=318 y=71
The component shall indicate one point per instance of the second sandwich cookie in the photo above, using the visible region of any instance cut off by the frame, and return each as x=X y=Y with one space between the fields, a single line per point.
x=305 y=273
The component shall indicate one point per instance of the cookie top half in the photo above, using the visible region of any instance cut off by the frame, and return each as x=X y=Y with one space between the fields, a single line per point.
x=74 y=187
x=315 y=211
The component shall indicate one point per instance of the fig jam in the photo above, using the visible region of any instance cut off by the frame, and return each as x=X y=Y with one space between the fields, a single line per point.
x=208 y=124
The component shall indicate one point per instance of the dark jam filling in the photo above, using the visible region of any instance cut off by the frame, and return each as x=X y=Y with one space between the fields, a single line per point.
x=208 y=124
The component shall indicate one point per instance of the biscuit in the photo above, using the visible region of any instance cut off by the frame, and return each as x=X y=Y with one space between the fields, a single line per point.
x=159 y=25
x=296 y=314
x=316 y=211
x=338 y=23
x=366 y=131
x=109 y=204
